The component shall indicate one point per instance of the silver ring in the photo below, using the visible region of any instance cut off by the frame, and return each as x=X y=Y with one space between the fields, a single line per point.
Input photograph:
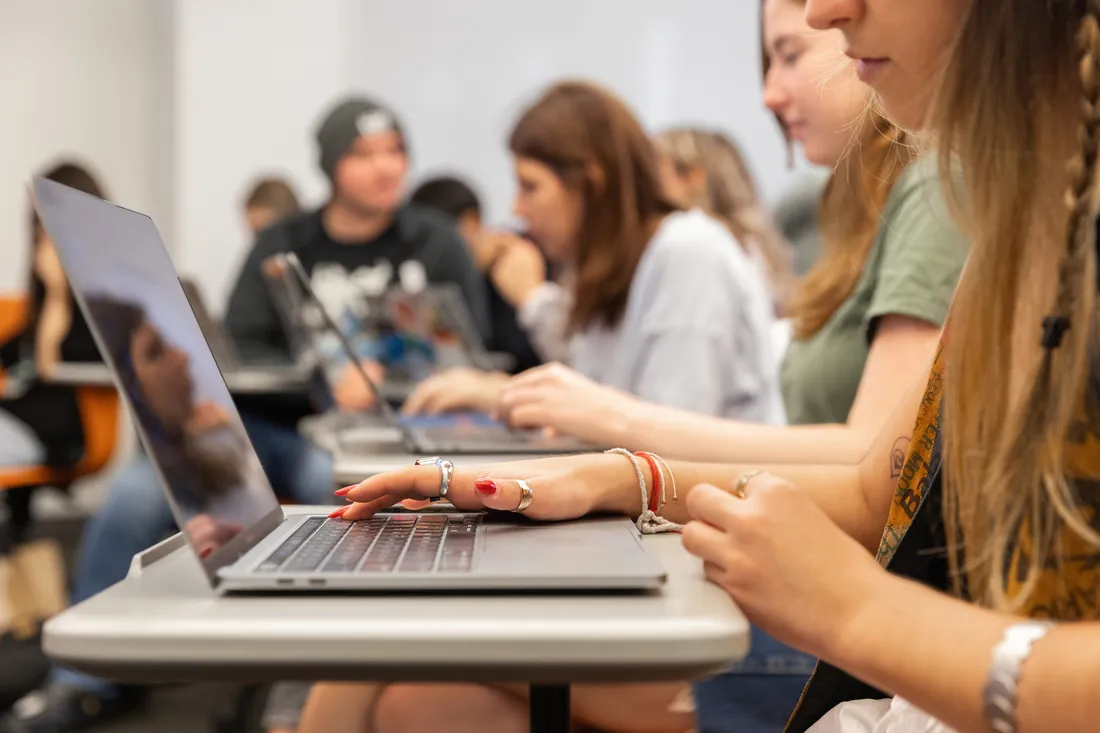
x=525 y=498
x=446 y=471
x=743 y=483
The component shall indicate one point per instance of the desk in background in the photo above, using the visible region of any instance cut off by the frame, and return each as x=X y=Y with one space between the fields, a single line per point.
x=82 y=375
x=352 y=468
x=163 y=623
x=243 y=380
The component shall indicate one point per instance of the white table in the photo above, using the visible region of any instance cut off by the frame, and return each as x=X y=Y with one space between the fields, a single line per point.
x=246 y=380
x=82 y=375
x=164 y=623
x=242 y=380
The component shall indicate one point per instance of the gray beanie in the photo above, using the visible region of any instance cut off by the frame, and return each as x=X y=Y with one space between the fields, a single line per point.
x=346 y=122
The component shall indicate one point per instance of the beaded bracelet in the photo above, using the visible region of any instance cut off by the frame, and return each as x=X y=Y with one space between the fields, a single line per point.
x=649 y=522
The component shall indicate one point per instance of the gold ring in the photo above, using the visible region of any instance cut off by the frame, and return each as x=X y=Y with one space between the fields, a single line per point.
x=743 y=482
x=525 y=498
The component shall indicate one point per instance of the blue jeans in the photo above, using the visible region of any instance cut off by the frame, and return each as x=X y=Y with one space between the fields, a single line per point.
x=756 y=695
x=136 y=516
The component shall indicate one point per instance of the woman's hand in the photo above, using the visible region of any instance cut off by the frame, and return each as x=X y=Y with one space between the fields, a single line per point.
x=455 y=390
x=792 y=571
x=564 y=488
x=519 y=269
x=207 y=416
x=208 y=534
x=352 y=393
x=557 y=397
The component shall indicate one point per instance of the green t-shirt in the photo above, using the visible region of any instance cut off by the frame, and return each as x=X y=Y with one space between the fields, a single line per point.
x=912 y=271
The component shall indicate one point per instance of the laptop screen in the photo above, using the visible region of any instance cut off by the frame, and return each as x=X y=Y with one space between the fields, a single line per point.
x=131 y=297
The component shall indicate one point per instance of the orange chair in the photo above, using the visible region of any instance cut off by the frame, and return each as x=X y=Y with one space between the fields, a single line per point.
x=99 y=415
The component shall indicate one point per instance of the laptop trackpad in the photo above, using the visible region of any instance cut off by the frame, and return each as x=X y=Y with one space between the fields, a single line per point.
x=589 y=547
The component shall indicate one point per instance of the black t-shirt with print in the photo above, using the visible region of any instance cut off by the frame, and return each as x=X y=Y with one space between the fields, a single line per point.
x=418 y=245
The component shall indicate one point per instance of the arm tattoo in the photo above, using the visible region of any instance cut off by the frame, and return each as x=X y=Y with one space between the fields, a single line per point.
x=897 y=456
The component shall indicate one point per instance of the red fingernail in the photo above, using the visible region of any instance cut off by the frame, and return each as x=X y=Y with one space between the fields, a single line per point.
x=205 y=553
x=485 y=487
x=344 y=491
x=339 y=512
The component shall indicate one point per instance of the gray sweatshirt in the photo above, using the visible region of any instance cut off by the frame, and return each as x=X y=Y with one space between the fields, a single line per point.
x=696 y=333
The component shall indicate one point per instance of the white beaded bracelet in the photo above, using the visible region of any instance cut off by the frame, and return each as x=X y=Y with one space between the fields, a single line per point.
x=649 y=522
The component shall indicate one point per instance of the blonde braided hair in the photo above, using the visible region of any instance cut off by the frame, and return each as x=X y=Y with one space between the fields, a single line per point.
x=1021 y=499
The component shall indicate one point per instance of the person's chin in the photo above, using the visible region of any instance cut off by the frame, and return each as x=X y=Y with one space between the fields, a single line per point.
x=820 y=153
x=903 y=107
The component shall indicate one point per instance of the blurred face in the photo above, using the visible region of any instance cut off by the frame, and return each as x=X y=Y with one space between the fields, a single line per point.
x=552 y=211
x=259 y=218
x=371 y=175
x=682 y=186
x=810 y=85
x=162 y=371
x=675 y=185
x=897 y=45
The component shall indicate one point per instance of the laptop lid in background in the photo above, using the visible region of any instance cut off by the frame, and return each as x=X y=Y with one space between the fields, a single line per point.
x=319 y=321
x=130 y=294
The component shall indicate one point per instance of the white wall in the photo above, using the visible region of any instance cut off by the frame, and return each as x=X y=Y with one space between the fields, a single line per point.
x=459 y=72
x=251 y=78
x=182 y=103
x=82 y=79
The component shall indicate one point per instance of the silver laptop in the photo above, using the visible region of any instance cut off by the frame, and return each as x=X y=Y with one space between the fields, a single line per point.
x=460 y=435
x=129 y=292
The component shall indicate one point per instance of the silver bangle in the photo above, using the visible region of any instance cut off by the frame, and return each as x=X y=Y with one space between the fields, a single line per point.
x=1001 y=695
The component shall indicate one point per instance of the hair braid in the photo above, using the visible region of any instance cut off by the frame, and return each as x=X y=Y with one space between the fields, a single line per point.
x=1054 y=394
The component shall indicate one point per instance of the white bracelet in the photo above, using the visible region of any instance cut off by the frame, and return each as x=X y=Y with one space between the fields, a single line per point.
x=649 y=522
x=1002 y=687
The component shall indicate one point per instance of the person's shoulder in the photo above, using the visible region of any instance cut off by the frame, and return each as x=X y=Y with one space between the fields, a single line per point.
x=423 y=223
x=288 y=233
x=920 y=182
x=693 y=240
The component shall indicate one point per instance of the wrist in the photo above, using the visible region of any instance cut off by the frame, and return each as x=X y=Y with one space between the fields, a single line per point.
x=870 y=599
x=619 y=492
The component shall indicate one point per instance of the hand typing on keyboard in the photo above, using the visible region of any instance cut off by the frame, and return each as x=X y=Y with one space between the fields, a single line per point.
x=564 y=488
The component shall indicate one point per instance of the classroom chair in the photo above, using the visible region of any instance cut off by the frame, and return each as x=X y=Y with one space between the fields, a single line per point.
x=99 y=414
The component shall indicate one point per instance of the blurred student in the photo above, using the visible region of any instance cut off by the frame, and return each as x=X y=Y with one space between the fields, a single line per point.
x=704 y=169
x=647 y=287
x=40 y=422
x=268 y=201
x=362 y=240
x=457 y=199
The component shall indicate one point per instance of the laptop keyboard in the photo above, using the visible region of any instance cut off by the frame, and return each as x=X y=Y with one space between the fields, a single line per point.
x=404 y=543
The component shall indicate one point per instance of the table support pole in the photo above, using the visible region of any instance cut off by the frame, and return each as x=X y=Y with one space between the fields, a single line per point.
x=550 y=709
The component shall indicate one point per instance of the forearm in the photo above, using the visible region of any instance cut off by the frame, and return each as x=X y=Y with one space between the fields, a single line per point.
x=55 y=318
x=693 y=437
x=938 y=659
x=544 y=316
x=836 y=488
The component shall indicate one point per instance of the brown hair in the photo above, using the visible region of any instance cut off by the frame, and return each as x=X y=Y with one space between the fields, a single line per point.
x=1020 y=99
x=849 y=213
x=75 y=176
x=849 y=220
x=595 y=145
x=274 y=194
x=730 y=196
